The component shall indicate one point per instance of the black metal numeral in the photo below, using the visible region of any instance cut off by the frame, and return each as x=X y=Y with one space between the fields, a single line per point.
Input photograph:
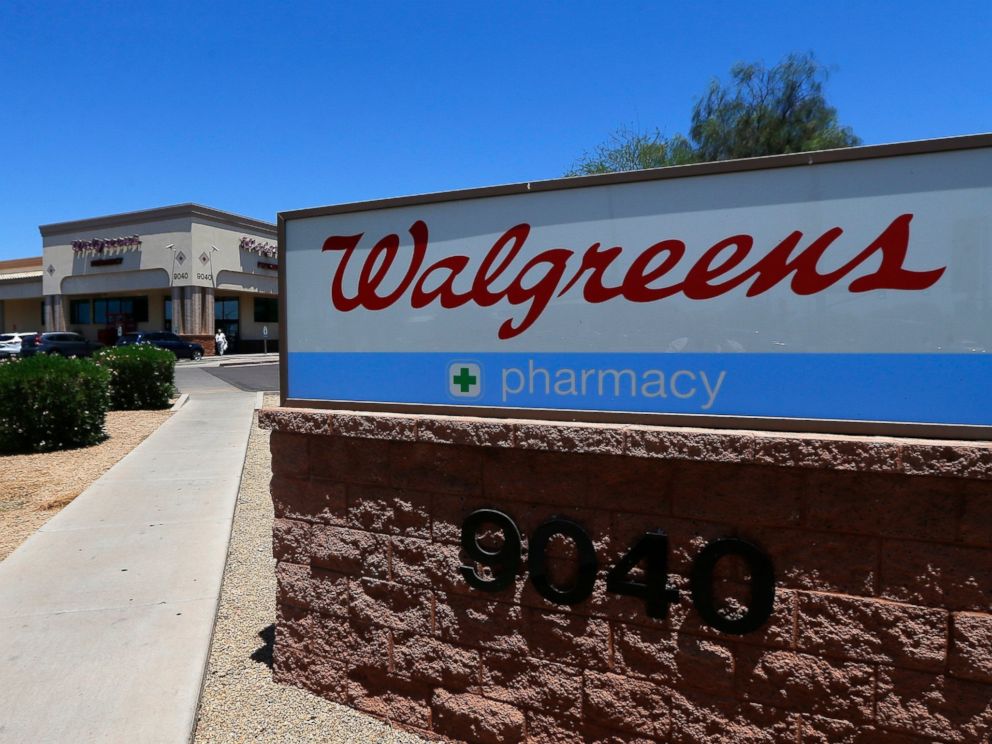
x=504 y=561
x=537 y=561
x=762 y=585
x=652 y=548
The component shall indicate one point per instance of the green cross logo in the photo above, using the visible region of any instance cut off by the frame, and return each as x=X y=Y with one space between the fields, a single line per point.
x=464 y=380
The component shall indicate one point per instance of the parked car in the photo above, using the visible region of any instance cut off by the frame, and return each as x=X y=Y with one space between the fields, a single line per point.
x=10 y=343
x=163 y=340
x=58 y=342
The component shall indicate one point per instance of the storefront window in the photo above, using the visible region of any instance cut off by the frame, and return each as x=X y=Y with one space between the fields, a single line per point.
x=266 y=310
x=167 y=314
x=79 y=312
x=226 y=308
x=140 y=309
x=111 y=309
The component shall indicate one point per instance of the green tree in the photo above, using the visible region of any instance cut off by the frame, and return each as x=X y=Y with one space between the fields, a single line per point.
x=627 y=149
x=768 y=112
x=761 y=112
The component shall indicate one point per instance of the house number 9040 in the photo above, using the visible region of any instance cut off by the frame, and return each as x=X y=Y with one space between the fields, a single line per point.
x=651 y=548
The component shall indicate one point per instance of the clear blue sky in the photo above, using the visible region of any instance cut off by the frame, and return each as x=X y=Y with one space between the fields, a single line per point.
x=256 y=108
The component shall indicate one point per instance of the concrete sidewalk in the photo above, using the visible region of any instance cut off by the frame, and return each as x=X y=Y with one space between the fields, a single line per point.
x=229 y=360
x=108 y=610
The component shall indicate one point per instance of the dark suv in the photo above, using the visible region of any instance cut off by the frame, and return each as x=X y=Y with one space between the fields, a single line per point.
x=163 y=340
x=58 y=342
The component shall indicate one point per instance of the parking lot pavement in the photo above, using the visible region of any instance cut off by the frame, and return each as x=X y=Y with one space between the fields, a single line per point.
x=248 y=377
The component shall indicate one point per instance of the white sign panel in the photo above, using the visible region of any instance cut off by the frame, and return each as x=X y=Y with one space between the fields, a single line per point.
x=855 y=290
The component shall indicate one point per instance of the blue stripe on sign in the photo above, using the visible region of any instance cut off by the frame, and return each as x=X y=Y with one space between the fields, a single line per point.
x=924 y=388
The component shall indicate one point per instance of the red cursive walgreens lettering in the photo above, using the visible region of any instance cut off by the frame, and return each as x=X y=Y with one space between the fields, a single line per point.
x=536 y=283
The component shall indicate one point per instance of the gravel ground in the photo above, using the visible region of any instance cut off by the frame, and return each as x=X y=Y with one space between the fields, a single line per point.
x=240 y=702
x=36 y=487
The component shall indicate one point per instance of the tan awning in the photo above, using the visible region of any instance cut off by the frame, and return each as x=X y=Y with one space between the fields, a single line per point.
x=21 y=275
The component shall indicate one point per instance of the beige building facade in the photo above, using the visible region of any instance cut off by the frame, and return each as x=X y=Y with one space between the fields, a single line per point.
x=185 y=268
x=21 y=305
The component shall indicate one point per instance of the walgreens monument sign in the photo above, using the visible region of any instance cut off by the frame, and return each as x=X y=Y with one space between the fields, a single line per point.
x=838 y=291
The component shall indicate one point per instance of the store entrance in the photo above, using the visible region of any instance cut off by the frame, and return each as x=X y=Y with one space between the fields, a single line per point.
x=117 y=325
x=230 y=328
x=227 y=316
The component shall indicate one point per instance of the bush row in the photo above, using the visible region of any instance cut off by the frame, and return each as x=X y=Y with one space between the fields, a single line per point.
x=50 y=402
x=141 y=376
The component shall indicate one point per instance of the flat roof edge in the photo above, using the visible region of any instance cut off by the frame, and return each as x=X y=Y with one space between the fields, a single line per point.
x=767 y=162
x=17 y=263
x=158 y=213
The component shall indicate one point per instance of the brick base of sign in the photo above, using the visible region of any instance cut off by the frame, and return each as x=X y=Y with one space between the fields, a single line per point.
x=205 y=340
x=882 y=553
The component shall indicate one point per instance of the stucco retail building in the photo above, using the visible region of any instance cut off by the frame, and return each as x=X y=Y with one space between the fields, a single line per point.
x=186 y=268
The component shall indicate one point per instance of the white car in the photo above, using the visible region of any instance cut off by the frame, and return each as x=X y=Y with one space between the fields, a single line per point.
x=10 y=343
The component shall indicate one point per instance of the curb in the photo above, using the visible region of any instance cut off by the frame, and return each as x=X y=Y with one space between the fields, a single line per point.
x=180 y=403
x=248 y=364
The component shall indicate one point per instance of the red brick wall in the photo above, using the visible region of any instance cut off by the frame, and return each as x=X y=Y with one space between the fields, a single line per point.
x=205 y=340
x=881 y=629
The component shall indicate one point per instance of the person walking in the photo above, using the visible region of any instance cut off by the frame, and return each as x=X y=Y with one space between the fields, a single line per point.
x=220 y=342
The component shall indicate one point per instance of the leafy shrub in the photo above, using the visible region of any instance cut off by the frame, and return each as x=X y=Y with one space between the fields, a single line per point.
x=49 y=403
x=141 y=376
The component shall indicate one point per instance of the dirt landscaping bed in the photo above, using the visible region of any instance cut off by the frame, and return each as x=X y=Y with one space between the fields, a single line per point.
x=33 y=488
